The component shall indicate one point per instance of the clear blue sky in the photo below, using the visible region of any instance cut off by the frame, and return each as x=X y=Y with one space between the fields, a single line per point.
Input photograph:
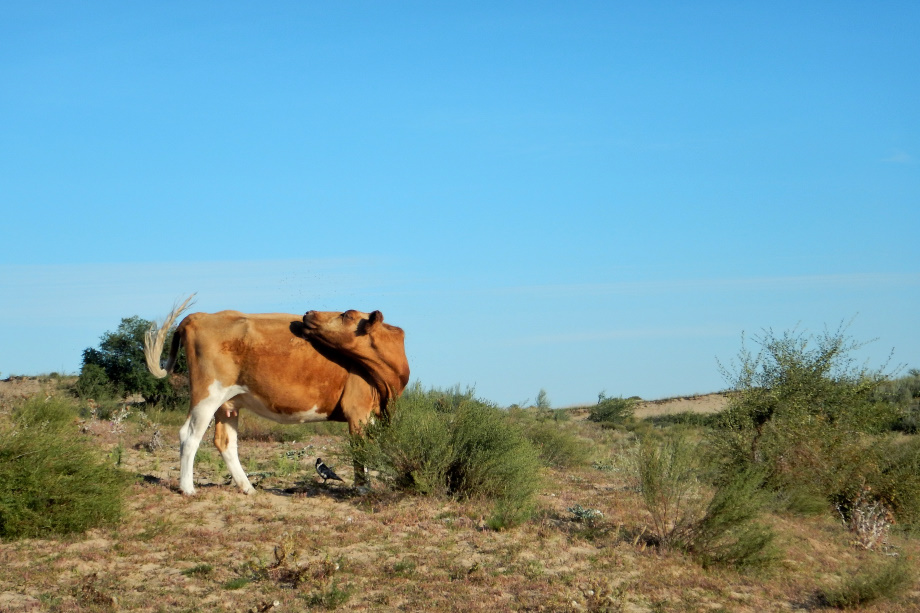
x=578 y=197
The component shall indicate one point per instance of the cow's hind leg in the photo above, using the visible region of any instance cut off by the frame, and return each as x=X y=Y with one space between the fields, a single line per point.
x=191 y=433
x=225 y=435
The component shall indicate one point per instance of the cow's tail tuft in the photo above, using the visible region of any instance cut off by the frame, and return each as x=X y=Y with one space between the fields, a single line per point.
x=154 y=339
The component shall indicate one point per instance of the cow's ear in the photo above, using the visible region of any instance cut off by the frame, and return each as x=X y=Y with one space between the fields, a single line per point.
x=375 y=318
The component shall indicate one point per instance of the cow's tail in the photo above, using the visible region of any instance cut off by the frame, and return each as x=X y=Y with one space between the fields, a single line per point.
x=154 y=339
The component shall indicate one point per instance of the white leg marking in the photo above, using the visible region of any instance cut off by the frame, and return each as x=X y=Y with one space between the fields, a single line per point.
x=191 y=433
x=232 y=458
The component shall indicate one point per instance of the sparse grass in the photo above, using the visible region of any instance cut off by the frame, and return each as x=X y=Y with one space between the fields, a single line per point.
x=37 y=413
x=237 y=583
x=868 y=585
x=199 y=570
x=156 y=528
x=330 y=597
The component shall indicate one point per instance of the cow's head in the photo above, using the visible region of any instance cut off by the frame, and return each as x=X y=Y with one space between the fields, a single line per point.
x=363 y=337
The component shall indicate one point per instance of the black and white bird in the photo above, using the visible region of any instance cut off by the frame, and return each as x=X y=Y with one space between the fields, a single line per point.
x=325 y=472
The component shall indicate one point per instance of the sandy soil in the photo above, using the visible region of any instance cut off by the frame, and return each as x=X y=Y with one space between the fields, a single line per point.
x=20 y=388
x=706 y=403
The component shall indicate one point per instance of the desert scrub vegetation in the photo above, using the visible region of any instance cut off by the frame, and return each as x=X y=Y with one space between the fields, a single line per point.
x=611 y=412
x=589 y=546
x=716 y=524
x=904 y=391
x=884 y=580
x=556 y=446
x=449 y=442
x=553 y=435
x=817 y=426
x=52 y=479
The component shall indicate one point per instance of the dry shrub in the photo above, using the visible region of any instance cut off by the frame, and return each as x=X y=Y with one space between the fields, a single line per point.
x=868 y=518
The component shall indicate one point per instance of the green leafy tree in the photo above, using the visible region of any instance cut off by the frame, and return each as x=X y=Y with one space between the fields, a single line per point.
x=117 y=367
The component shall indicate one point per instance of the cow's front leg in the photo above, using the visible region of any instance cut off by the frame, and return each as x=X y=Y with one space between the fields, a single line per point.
x=360 y=474
x=356 y=429
x=225 y=437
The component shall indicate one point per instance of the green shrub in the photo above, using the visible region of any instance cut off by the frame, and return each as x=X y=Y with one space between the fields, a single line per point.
x=874 y=583
x=890 y=470
x=413 y=450
x=93 y=383
x=686 y=418
x=903 y=389
x=451 y=443
x=491 y=457
x=800 y=501
x=905 y=392
x=255 y=428
x=668 y=476
x=909 y=423
x=611 y=411
x=557 y=448
x=36 y=411
x=728 y=533
x=52 y=480
x=801 y=413
x=716 y=527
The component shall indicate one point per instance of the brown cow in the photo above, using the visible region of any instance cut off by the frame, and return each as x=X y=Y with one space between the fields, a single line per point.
x=323 y=366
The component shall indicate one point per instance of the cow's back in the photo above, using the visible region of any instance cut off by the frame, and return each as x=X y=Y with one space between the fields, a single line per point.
x=263 y=353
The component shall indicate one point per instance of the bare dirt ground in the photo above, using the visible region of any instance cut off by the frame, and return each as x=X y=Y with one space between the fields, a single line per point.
x=19 y=388
x=299 y=545
x=697 y=403
x=702 y=403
